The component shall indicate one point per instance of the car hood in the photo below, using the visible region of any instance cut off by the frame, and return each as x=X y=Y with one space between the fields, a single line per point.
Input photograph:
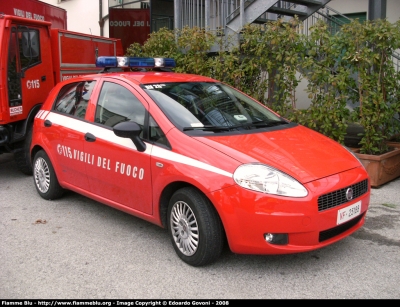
x=298 y=151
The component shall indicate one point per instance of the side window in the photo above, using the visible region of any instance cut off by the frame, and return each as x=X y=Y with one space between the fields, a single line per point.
x=73 y=98
x=156 y=135
x=23 y=53
x=29 y=47
x=14 y=71
x=117 y=104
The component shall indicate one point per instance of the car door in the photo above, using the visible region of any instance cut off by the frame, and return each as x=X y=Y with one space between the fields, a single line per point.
x=65 y=126
x=121 y=173
x=29 y=73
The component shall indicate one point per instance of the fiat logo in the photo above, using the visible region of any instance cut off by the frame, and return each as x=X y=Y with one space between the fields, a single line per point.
x=349 y=194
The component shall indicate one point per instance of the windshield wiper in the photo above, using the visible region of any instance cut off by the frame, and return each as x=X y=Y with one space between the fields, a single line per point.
x=247 y=126
x=272 y=123
x=215 y=128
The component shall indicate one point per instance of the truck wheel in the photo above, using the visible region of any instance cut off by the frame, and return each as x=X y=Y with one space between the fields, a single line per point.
x=195 y=228
x=22 y=157
x=45 y=178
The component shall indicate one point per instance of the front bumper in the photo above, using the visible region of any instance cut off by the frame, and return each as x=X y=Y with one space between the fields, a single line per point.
x=247 y=216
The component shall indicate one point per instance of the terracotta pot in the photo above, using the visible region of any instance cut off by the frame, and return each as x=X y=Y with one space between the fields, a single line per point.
x=381 y=168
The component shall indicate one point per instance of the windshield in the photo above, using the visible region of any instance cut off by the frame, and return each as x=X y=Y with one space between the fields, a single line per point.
x=210 y=106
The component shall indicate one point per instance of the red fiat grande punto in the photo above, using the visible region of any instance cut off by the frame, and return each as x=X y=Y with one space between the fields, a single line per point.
x=198 y=157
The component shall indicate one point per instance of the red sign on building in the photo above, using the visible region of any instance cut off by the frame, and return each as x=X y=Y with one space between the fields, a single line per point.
x=129 y=25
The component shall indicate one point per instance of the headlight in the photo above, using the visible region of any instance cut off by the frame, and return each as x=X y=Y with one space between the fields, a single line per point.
x=266 y=179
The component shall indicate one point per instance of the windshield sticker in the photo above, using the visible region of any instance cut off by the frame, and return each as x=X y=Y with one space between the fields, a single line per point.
x=196 y=125
x=240 y=117
x=153 y=86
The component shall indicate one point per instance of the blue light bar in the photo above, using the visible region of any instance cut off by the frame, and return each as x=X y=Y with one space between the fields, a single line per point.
x=106 y=61
x=134 y=62
x=141 y=62
x=164 y=62
x=169 y=62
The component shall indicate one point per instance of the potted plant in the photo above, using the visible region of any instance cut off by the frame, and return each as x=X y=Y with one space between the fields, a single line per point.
x=368 y=50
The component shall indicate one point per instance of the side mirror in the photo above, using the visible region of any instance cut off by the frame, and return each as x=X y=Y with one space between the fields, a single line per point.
x=130 y=130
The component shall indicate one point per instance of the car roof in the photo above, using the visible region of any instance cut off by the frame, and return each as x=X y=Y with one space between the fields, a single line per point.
x=150 y=77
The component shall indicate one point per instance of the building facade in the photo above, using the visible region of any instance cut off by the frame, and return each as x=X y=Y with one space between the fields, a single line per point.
x=86 y=15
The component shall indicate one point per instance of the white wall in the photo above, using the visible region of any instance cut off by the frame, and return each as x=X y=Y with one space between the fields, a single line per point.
x=359 y=6
x=83 y=15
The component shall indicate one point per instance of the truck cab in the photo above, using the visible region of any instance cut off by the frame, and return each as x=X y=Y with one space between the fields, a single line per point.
x=26 y=79
x=34 y=58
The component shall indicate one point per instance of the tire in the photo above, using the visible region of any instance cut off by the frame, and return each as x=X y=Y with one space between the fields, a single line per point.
x=23 y=157
x=45 y=178
x=194 y=227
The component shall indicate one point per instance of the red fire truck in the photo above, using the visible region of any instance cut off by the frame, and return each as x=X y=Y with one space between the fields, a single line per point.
x=34 y=57
x=37 y=10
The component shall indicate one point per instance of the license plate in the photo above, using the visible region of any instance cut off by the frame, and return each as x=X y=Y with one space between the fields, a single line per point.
x=348 y=213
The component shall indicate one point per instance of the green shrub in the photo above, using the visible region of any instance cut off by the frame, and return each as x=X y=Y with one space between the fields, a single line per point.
x=353 y=67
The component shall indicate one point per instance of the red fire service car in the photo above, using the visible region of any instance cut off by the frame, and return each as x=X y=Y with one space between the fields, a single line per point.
x=198 y=157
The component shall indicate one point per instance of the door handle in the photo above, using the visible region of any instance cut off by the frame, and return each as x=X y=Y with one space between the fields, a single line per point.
x=90 y=137
x=47 y=123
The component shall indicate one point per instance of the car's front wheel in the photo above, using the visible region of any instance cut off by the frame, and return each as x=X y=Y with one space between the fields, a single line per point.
x=45 y=178
x=195 y=228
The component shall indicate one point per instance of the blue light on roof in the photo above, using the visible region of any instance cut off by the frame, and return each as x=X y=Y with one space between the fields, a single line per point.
x=134 y=62
x=141 y=62
x=107 y=61
x=169 y=62
x=164 y=62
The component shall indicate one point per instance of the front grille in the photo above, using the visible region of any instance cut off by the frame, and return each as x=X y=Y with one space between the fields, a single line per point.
x=330 y=233
x=337 y=198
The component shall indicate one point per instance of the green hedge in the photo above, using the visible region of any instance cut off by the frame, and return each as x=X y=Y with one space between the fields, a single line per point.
x=354 y=65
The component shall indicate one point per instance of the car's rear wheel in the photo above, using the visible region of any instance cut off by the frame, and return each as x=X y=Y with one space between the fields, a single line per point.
x=195 y=228
x=45 y=178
